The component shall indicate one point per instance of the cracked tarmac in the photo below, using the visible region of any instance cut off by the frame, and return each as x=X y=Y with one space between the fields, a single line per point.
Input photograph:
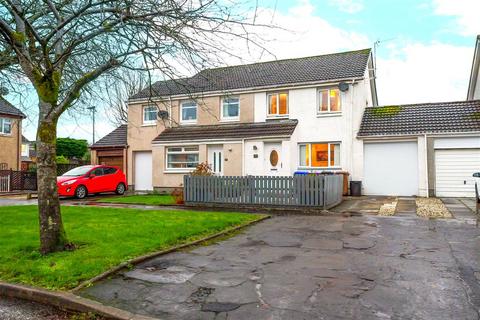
x=313 y=267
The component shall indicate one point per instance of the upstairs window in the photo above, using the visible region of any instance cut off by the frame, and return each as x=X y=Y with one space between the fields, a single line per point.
x=230 y=108
x=329 y=100
x=319 y=155
x=189 y=112
x=278 y=104
x=5 y=126
x=182 y=157
x=149 y=114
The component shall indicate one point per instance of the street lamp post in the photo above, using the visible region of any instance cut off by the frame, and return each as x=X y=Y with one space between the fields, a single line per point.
x=94 y=109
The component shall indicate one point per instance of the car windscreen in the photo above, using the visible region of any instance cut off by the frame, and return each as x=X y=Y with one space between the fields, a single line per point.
x=77 y=172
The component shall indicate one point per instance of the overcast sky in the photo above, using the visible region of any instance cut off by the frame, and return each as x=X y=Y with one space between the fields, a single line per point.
x=424 y=54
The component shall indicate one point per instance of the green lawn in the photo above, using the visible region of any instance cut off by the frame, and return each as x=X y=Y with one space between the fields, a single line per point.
x=148 y=199
x=105 y=236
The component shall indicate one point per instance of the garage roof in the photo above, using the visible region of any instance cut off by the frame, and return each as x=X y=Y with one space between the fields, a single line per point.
x=228 y=131
x=116 y=138
x=441 y=117
x=335 y=66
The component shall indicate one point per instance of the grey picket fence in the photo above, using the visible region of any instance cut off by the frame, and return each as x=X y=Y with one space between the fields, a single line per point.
x=313 y=191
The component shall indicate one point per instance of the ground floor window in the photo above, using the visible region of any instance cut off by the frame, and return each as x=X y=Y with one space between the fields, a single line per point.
x=182 y=157
x=319 y=155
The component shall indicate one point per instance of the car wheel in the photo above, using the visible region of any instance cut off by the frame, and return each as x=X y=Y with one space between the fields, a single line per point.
x=81 y=192
x=120 y=189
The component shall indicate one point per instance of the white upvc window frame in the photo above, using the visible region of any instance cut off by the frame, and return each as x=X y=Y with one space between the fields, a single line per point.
x=3 y=122
x=191 y=121
x=169 y=150
x=278 y=114
x=319 y=101
x=222 y=114
x=149 y=122
x=309 y=159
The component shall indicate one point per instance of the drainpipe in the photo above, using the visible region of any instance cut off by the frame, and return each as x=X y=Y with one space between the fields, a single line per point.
x=243 y=157
x=170 y=111
x=426 y=165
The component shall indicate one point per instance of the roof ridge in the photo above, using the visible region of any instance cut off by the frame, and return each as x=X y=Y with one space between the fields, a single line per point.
x=365 y=50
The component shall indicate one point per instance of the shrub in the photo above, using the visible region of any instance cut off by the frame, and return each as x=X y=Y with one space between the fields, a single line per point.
x=177 y=194
x=62 y=160
x=202 y=169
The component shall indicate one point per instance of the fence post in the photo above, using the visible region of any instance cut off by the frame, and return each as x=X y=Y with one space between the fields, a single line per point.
x=324 y=185
x=11 y=180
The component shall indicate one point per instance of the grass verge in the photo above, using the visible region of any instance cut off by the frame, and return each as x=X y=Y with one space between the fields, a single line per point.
x=149 y=199
x=105 y=237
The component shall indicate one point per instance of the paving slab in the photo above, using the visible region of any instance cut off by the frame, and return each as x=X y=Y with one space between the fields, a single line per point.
x=313 y=267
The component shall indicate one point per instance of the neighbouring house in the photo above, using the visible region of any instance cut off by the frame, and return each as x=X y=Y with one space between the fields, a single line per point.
x=112 y=149
x=428 y=149
x=474 y=83
x=10 y=135
x=28 y=154
x=269 y=118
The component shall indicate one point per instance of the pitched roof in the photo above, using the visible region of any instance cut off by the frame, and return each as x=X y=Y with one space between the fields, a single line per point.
x=116 y=138
x=336 y=66
x=7 y=108
x=228 y=131
x=442 y=117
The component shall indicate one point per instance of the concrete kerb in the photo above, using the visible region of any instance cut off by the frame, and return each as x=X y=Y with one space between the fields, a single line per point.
x=72 y=302
x=143 y=258
x=66 y=301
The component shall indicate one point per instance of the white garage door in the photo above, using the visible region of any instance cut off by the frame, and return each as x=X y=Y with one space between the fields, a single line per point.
x=143 y=171
x=391 y=168
x=453 y=172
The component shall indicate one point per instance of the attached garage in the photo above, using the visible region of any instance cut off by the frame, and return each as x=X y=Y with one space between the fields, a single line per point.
x=391 y=168
x=111 y=150
x=456 y=159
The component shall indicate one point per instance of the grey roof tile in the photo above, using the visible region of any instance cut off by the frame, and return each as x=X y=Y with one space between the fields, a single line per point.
x=116 y=138
x=441 y=117
x=7 y=108
x=334 y=66
x=228 y=131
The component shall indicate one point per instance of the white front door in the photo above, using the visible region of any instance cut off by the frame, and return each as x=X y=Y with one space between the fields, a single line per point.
x=143 y=171
x=272 y=158
x=391 y=168
x=453 y=172
x=215 y=159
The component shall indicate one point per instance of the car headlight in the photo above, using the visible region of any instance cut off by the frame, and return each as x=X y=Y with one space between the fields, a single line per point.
x=67 y=183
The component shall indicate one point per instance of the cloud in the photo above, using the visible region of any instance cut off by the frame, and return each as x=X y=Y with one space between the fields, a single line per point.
x=348 y=6
x=466 y=13
x=302 y=33
x=416 y=72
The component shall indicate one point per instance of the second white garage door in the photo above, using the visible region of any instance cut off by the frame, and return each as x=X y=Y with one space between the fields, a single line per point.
x=143 y=171
x=453 y=172
x=391 y=168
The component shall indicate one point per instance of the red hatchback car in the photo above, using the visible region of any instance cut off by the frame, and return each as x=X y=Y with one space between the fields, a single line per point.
x=84 y=180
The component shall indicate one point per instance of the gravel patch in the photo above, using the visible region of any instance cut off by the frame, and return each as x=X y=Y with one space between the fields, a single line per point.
x=432 y=208
x=388 y=209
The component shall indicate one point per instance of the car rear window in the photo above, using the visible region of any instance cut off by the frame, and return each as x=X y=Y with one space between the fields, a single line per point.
x=109 y=170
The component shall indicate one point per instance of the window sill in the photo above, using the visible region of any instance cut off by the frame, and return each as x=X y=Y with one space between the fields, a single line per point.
x=188 y=123
x=329 y=114
x=5 y=134
x=230 y=120
x=269 y=117
x=167 y=171
x=319 y=168
x=149 y=124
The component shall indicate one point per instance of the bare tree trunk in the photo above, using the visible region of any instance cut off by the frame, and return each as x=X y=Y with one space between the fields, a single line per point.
x=52 y=235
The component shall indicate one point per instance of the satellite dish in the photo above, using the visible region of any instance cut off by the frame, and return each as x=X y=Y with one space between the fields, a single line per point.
x=343 y=86
x=162 y=114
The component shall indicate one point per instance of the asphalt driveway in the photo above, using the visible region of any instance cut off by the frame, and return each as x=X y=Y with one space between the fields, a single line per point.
x=313 y=267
